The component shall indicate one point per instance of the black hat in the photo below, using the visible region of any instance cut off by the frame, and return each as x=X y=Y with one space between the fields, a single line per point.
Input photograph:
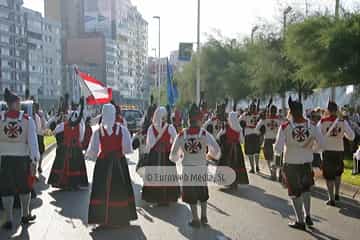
x=194 y=113
x=332 y=106
x=295 y=106
x=273 y=108
x=10 y=97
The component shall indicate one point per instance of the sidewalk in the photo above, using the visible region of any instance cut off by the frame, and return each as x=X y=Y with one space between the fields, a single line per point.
x=350 y=193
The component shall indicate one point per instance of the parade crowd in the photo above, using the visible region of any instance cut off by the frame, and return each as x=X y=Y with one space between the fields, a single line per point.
x=293 y=144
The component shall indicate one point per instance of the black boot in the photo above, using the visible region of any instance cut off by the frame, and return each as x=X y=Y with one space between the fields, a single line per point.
x=297 y=225
x=204 y=220
x=309 y=221
x=28 y=219
x=330 y=203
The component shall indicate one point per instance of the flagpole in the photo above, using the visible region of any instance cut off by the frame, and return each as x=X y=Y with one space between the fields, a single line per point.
x=77 y=76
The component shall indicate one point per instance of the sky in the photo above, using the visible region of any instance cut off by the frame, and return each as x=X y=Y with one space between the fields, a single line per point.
x=233 y=18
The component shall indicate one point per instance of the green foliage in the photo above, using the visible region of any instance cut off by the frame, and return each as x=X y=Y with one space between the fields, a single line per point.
x=318 y=51
x=325 y=50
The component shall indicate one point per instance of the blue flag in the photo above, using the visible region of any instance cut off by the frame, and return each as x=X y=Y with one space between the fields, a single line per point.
x=170 y=89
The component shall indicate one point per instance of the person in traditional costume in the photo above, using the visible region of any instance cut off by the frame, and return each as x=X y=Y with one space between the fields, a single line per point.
x=191 y=146
x=88 y=134
x=41 y=124
x=334 y=130
x=269 y=127
x=119 y=118
x=112 y=202
x=214 y=124
x=315 y=117
x=248 y=121
x=69 y=169
x=231 y=138
x=139 y=139
x=19 y=152
x=177 y=119
x=296 y=138
x=159 y=139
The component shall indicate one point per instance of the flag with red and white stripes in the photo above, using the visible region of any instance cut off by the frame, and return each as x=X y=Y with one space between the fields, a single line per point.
x=95 y=91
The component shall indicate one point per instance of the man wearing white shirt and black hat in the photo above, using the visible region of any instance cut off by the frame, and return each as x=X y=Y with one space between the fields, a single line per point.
x=19 y=152
x=296 y=138
x=334 y=130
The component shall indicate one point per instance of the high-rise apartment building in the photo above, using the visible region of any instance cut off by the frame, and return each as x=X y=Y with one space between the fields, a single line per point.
x=12 y=47
x=70 y=13
x=43 y=57
x=122 y=25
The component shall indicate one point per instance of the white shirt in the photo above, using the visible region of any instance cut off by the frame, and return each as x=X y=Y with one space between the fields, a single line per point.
x=41 y=124
x=94 y=146
x=191 y=148
x=151 y=140
x=271 y=124
x=296 y=140
x=334 y=139
x=251 y=123
x=32 y=140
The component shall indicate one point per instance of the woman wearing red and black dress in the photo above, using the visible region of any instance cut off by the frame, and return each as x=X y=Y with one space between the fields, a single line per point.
x=112 y=202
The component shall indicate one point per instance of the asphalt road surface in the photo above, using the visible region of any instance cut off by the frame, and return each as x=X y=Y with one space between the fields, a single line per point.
x=259 y=211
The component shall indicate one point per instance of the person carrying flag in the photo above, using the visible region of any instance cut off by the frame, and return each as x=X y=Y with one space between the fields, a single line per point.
x=69 y=170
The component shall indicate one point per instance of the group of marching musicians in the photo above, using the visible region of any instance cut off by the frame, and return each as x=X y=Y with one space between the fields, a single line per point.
x=291 y=144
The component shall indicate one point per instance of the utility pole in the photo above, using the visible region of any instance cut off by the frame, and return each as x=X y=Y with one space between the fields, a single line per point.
x=253 y=30
x=198 y=70
x=337 y=8
x=286 y=12
x=159 y=63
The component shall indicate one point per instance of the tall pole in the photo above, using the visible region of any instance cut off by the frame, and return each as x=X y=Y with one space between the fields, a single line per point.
x=198 y=70
x=337 y=8
x=253 y=30
x=159 y=60
x=286 y=12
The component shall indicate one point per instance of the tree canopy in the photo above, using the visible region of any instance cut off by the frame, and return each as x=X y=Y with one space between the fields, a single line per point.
x=317 y=51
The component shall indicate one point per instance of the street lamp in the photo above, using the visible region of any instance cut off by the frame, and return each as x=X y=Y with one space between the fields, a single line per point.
x=253 y=30
x=159 y=67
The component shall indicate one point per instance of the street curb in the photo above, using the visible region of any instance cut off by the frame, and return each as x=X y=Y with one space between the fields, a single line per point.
x=49 y=149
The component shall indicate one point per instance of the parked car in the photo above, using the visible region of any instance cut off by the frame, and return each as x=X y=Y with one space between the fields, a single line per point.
x=133 y=118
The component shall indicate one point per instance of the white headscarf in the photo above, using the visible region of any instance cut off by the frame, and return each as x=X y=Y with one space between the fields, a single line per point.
x=108 y=117
x=234 y=121
x=159 y=117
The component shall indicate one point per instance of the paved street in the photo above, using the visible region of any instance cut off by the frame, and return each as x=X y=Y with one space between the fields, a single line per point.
x=258 y=211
